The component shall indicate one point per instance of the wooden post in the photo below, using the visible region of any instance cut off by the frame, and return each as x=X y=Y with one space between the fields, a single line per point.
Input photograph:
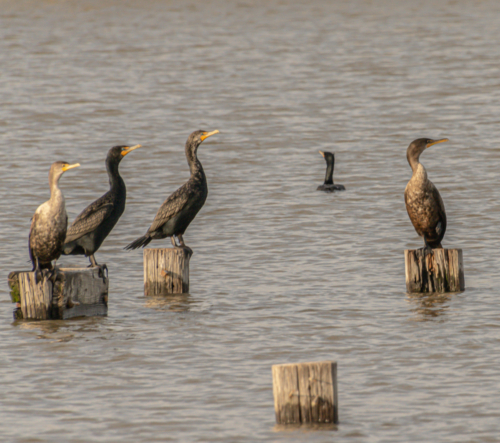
x=75 y=292
x=166 y=270
x=435 y=270
x=306 y=392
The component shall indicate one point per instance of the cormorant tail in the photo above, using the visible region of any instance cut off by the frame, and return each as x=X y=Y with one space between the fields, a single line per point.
x=141 y=241
x=68 y=248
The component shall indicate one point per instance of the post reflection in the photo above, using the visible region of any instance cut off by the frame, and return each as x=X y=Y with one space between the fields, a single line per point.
x=170 y=302
x=61 y=330
x=429 y=306
x=305 y=427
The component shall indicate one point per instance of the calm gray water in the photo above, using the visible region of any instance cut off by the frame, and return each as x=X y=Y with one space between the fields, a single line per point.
x=281 y=272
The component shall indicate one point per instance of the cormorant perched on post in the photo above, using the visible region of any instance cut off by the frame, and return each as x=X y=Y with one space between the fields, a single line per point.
x=328 y=185
x=423 y=202
x=96 y=221
x=179 y=210
x=49 y=224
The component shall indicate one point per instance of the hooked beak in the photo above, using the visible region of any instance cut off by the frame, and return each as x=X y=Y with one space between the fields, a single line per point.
x=435 y=142
x=322 y=153
x=129 y=149
x=208 y=134
x=65 y=168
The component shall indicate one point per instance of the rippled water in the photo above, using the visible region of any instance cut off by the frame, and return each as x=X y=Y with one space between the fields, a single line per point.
x=281 y=272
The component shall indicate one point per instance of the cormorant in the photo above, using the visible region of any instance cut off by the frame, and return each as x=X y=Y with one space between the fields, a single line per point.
x=96 y=221
x=328 y=185
x=179 y=210
x=49 y=224
x=423 y=202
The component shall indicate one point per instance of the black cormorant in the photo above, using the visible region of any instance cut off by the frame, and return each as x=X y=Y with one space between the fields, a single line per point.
x=179 y=210
x=328 y=185
x=49 y=224
x=96 y=221
x=423 y=202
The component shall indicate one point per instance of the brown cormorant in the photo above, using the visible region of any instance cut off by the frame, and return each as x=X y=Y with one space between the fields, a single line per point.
x=96 y=221
x=328 y=185
x=423 y=202
x=179 y=210
x=49 y=224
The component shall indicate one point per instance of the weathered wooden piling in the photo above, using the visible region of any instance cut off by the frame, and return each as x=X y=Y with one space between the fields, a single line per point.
x=166 y=270
x=73 y=292
x=434 y=270
x=305 y=392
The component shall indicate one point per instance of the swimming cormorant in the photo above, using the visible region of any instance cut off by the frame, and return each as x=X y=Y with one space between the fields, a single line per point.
x=179 y=210
x=328 y=185
x=96 y=221
x=423 y=202
x=49 y=224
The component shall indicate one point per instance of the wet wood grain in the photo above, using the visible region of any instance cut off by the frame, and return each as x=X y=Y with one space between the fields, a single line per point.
x=436 y=270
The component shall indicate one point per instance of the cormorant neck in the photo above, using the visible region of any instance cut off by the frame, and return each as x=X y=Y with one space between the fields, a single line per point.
x=192 y=159
x=55 y=192
x=413 y=160
x=330 y=163
x=115 y=179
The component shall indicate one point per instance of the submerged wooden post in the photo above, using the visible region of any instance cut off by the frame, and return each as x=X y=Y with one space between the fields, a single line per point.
x=435 y=270
x=166 y=270
x=305 y=392
x=74 y=292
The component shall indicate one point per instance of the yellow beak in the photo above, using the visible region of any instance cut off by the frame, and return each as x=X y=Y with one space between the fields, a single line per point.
x=65 y=168
x=129 y=149
x=435 y=142
x=208 y=134
x=322 y=153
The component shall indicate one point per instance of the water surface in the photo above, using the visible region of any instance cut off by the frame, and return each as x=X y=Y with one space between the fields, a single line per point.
x=281 y=273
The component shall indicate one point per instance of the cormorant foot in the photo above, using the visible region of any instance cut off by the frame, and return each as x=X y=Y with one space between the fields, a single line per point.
x=187 y=248
x=103 y=272
x=426 y=249
x=38 y=276
x=52 y=276
x=46 y=274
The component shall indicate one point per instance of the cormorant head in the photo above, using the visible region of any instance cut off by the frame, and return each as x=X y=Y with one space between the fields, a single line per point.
x=420 y=145
x=58 y=168
x=328 y=156
x=116 y=153
x=195 y=139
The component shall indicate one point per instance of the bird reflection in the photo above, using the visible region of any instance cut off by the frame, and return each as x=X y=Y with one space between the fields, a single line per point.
x=170 y=302
x=429 y=306
x=61 y=330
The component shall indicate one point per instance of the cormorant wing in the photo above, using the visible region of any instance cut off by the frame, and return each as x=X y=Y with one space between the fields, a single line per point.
x=32 y=227
x=441 y=226
x=171 y=207
x=89 y=219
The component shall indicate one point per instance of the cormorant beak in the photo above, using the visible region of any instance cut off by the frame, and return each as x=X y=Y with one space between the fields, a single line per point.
x=129 y=149
x=65 y=168
x=322 y=153
x=208 y=134
x=435 y=142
